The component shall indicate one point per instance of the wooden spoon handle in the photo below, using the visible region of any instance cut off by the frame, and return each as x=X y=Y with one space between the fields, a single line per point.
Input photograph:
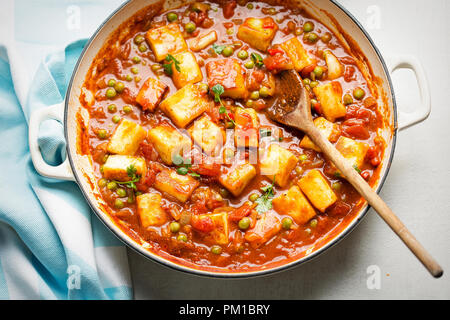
x=374 y=200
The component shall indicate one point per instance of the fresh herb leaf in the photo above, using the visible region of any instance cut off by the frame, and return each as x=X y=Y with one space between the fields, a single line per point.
x=131 y=172
x=218 y=90
x=264 y=202
x=222 y=109
x=356 y=168
x=337 y=175
x=184 y=166
x=257 y=59
x=168 y=66
x=218 y=48
x=194 y=174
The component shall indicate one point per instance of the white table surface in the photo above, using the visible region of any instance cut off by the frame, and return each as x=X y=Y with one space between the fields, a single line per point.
x=417 y=188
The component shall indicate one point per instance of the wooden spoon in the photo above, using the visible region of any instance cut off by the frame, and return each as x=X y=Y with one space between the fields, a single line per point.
x=292 y=107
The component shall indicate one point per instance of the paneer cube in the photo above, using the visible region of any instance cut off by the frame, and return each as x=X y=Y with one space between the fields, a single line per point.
x=185 y=105
x=115 y=167
x=278 y=163
x=353 y=151
x=316 y=187
x=295 y=204
x=166 y=39
x=258 y=32
x=168 y=142
x=150 y=211
x=237 y=178
x=126 y=138
x=246 y=131
x=202 y=41
x=173 y=184
x=230 y=74
x=335 y=68
x=189 y=70
x=265 y=228
x=297 y=53
x=209 y=136
x=151 y=94
x=330 y=98
x=220 y=233
x=329 y=129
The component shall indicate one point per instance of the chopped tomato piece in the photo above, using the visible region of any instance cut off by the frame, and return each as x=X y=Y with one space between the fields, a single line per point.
x=339 y=209
x=203 y=224
x=356 y=131
x=228 y=9
x=307 y=70
x=207 y=169
x=278 y=62
x=274 y=51
x=241 y=212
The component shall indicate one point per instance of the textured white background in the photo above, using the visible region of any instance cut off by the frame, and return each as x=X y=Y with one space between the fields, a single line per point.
x=417 y=189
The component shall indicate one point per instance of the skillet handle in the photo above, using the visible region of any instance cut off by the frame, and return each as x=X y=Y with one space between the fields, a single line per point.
x=61 y=172
x=408 y=119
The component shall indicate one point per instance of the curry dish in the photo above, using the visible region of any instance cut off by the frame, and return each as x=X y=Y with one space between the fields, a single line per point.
x=186 y=159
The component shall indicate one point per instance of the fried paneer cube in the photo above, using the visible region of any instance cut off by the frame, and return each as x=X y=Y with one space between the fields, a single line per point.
x=265 y=228
x=189 y=70
x=317 y=189
x=237 y=178
x=277 y=164
x=246 y=131
x=330 y=98
x=151 y=94
x=220 y=233
x=202 y=41
x=230 y=74
x=208 y=135
x=168 y=142
x=258 y=32
x=294 y=204
x=175 y=185
x=166 y=40
x=335 y=68
x=126 y=138
x=150 y=211
x=297 y=53
x=185 y=105
x=353 y=151
x=329 y=129
x=116 y=167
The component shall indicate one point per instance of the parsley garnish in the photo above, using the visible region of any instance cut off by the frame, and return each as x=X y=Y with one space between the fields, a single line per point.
x=218 y=90
x=265 y=201
x=356 y=168
x=184 y=166
x=168 y=66
x=218 y=48
x=257 y=59
x=131 y=172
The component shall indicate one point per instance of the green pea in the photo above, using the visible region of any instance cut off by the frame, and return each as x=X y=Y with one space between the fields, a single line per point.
x=229 y=125
x=127 y=109
x=116 y=119
x=101 y=169
x=230 y=31
x=311 y=37
x=313 y=223
x=326 y=37
x=303 y=157
x=182 y=170
x=136 y=59
x=216 y=249
x=112 y=185
x=174 y=226
x=286 y=223
x=119 y=87
x=102 y=183
x=134 y=70
x=203 y=87
x=121 y=192
x=190 y=27
x=336 y=186
x=227 y=51
x=130 y=199
x=243 y=54
x=111 y=93
x=102 y=134
x=249 y=103
x=128 y=77
x=359 y=93
x=182 y=237
x=224 y=192
x=249 y=64
x=112 y=108
x=264 y=92
x=139 y=39
x=314 y=84
x=137 y=79
x=155 y=67
x=244 y=223
x=306 y=82
x=171 y=17
x=250 y=6
x=142 y=48
x=111 y=82
x=253 y=197
x=348 y=99
x=318 y=71
x=254 y=95
x=308 y=26
x=119 y=204
x=272 y=11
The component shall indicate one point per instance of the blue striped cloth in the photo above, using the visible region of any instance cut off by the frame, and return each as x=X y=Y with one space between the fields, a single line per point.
x=51 y=244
